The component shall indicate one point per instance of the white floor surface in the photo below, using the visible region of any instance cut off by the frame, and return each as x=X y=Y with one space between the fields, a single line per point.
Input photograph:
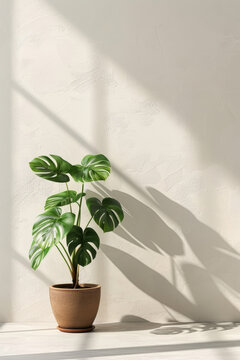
x=130 y=340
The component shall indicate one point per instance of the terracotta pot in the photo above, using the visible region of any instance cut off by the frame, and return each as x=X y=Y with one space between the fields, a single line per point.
x=75 y=309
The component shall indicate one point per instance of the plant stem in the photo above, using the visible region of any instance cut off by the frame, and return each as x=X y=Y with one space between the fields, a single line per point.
x=89 y=222
x=70 y=205
x=64 y=259
x=79 y=210
x=76 y=284
x=69 y=259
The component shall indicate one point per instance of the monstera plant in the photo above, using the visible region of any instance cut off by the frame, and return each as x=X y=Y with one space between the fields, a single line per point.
x=60 y=225
x=54 y=225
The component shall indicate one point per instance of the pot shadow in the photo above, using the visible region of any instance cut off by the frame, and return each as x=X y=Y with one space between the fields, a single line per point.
x=127 y=323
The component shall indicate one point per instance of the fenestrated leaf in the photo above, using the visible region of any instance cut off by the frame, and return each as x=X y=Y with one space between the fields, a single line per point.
x=74 y=238
x=82 y=242
x=107 y=214
x=37 y=254
x=62 y=198
x=92 y=168
x=46 y=168
x=48 y=229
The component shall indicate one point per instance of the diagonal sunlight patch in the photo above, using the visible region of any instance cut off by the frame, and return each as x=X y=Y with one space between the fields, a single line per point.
x=70 y=131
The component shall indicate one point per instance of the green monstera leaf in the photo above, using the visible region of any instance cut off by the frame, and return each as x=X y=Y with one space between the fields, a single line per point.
x=82 y=242
x=46 y=168
x=92 y=168
x=37 y=254
x=48 y=229
x=107 y=214
x=62 y=198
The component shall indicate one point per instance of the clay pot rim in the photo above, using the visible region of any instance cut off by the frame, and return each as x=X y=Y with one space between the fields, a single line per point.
x=60 y=287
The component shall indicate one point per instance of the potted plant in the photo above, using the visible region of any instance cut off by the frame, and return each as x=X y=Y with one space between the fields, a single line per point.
x=74 y=305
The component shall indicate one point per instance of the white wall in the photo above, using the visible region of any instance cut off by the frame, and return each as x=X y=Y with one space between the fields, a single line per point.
x=154 y=85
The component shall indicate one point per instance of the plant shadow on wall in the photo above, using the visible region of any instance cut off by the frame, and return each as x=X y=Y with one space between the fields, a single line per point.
x=218 y=259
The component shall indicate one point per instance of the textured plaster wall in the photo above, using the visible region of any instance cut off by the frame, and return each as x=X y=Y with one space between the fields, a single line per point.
x=155 y=86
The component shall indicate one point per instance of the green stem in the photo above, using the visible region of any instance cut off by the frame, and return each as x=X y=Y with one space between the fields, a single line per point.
x=79 y=210
x=70 y=205
x=89 y=222
x=69 y=259
x=64 y=259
